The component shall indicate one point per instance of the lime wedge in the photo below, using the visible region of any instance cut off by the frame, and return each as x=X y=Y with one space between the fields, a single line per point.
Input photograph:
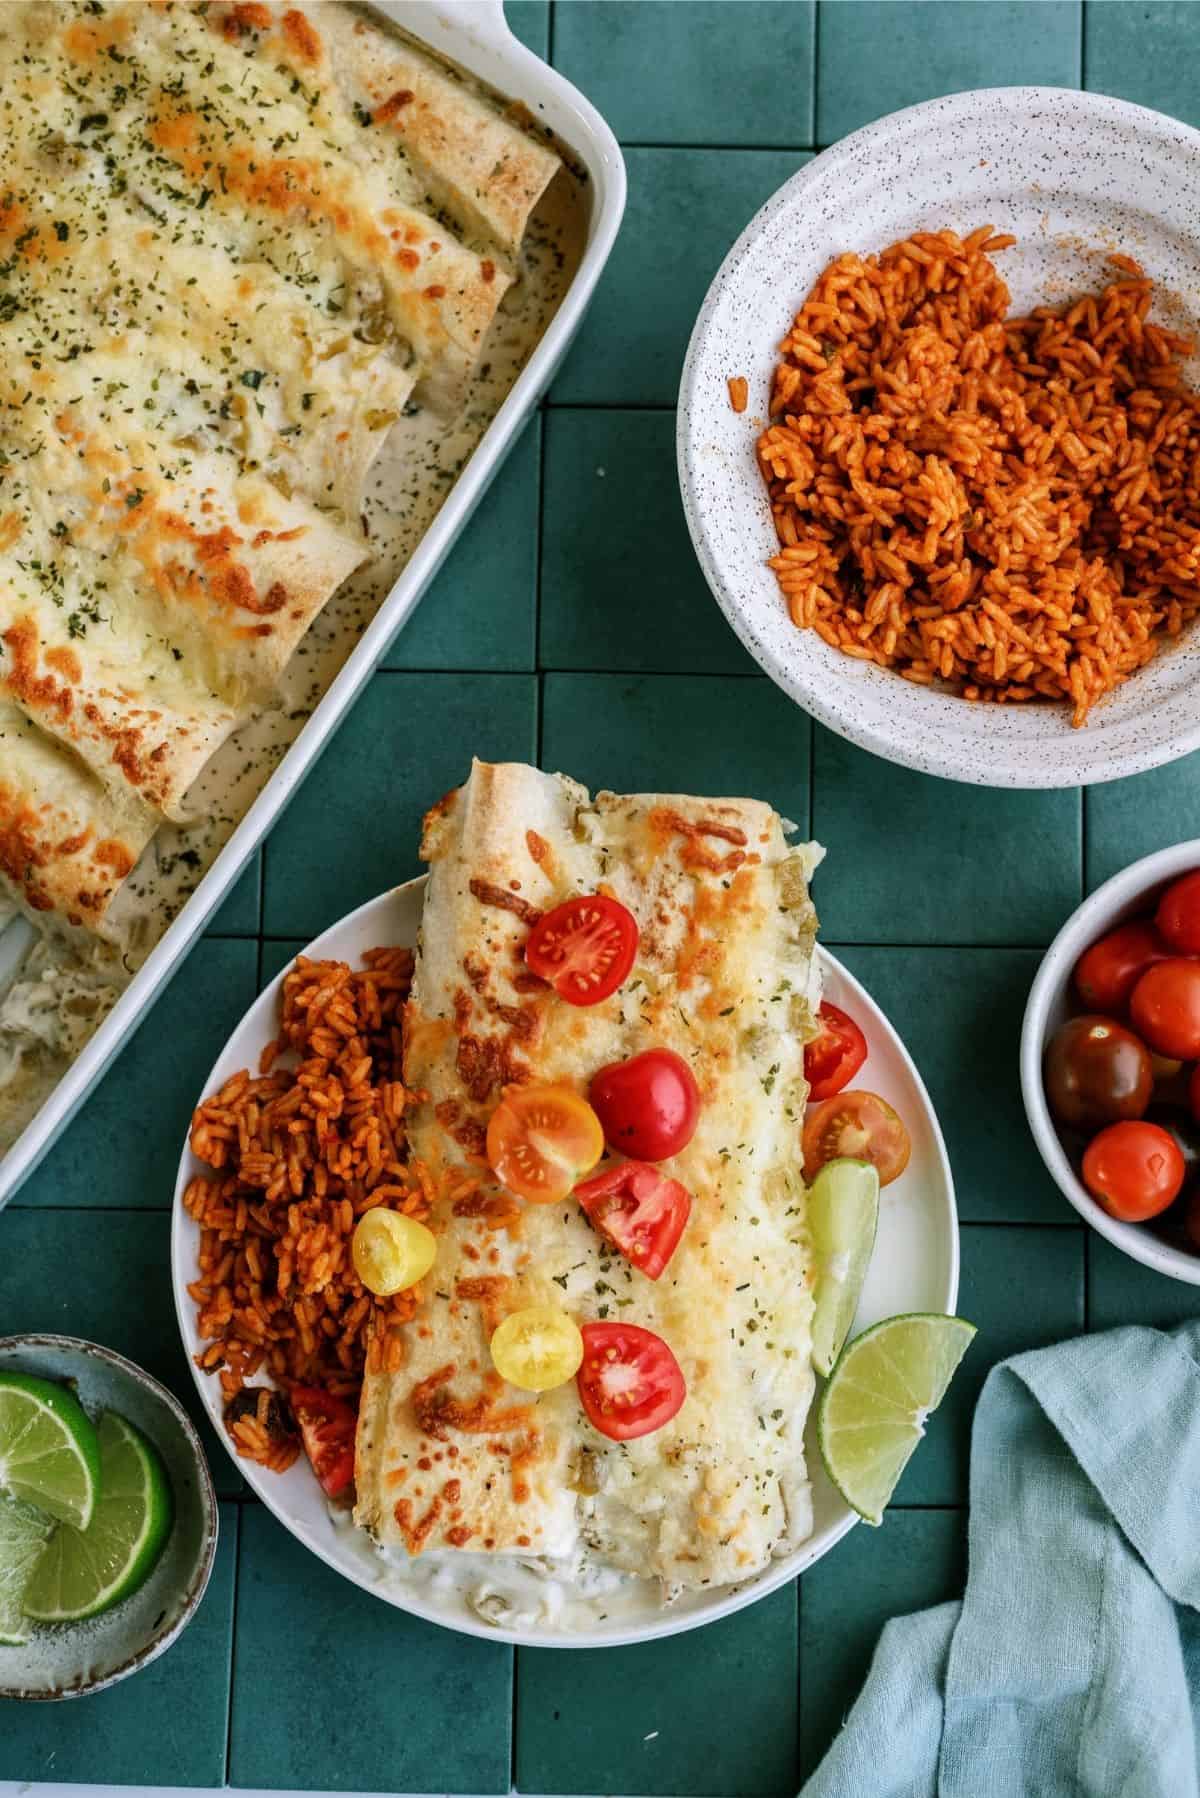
x=83 y=1572
x=48 y=1451
x=843 y=1210
x=872 y=1413
x=23 y=1533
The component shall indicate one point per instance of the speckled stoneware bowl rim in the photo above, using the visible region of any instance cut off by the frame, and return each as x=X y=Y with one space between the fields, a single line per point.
x=1110 y=904
x=850 y=697
x=161 y=1640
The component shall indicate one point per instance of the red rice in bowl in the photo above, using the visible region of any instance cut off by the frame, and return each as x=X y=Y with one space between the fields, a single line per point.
x=1009 y=505
x=299 y=1152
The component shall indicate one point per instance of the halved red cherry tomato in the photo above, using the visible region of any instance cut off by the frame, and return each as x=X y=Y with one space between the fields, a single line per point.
x=327 y=1428
x=648 y=1105
x=832 y=1059
x=1135 y=1170
x=541 y=1140
x=1165 y=1007
x=630 y=1383
x=1107 y=973
x=862 y=1127
x=584 y=948
x=1178 y=915
x=640 y=1210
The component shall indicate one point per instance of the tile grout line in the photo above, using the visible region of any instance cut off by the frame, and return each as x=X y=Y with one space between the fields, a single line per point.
x=233 y=1630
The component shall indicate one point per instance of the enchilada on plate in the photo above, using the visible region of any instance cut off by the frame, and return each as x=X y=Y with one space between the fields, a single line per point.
x=449 y=1456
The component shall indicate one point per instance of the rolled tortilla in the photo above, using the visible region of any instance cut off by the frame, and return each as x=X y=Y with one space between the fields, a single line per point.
x=724 y=977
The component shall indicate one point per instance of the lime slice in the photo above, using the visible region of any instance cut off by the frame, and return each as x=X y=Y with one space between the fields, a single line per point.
x=23 y=1533
x=872 y=1413
x=48 y=1450
x=843 y=1210
x=83 y=1572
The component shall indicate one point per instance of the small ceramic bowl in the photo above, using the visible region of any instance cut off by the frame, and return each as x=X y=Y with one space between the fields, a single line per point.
x=1072 y=176
x=67 y=1660
x=1134 y=890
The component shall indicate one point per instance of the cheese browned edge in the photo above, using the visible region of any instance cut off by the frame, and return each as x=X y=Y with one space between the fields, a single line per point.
x=448 y=1456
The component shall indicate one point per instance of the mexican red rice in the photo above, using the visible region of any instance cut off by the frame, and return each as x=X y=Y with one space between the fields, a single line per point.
x=1010 y=505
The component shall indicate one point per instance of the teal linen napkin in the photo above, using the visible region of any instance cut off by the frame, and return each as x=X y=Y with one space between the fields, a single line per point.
x=1072 y=1664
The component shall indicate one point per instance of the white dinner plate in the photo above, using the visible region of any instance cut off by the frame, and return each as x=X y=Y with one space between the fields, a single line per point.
x=914 y=1268
x=1072 y=176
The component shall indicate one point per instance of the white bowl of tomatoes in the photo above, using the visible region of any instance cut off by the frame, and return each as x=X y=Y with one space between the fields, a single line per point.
x=1110 y=1060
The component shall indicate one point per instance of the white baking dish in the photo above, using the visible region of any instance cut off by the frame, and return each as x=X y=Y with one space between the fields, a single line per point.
x=474 y=34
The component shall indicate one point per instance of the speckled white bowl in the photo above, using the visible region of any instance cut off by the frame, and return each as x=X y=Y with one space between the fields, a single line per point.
x=1133 y=891
x=1073 y=176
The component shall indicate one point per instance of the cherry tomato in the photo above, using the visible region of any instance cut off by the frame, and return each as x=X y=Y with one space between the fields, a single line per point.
x=327 y=1427
x=1165 y=1008
x=639 y=1210
x=1097 y=1072
x=584 y=948
x=861 y=1127
x=832 y=1059
x=541 y=1140
x=537 y=1348
x=390 y=1251
x=630 y=1383
x=1178 y=915
x=1135 y=1170
x=1107 y=973
x=648 y=1105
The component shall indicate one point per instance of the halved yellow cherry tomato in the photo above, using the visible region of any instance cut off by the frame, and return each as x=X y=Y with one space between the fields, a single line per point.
x=537 y=1348
x=391 y=1251
x=541 y=1140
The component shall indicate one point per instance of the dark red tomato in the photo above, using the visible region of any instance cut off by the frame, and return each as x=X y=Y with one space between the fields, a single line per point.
x=584 y=948
x=327 y=1425
x=858 y=1125
x=832 y=1059
x=1135 y=1170
x=1107 y=973
x=1178 y=915
x=639 y=1210
x=1096 y=1073
x=1165 y=1008
x=630 y=1383
x=648 y=1104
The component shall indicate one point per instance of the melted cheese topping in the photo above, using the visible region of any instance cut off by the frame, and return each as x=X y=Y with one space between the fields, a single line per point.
x=222 y=280
x=724 y=977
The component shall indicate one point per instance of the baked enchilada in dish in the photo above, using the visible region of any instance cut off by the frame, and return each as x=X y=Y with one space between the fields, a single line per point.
x=265 y=273
x=538 y=1193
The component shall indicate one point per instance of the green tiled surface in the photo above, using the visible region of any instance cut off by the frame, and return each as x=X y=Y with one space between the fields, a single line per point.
x=576 y=628
x=660 y=1716
x=726 y=66
x=878 y=55
x=169 y=1722
x=376 y=1701
x=685 y=209
x=482 y=607
x=103 y=1275
x=1144 y=52
x=620 y=586
x=405 y=743
x=948 y=863
x=1127 y=819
